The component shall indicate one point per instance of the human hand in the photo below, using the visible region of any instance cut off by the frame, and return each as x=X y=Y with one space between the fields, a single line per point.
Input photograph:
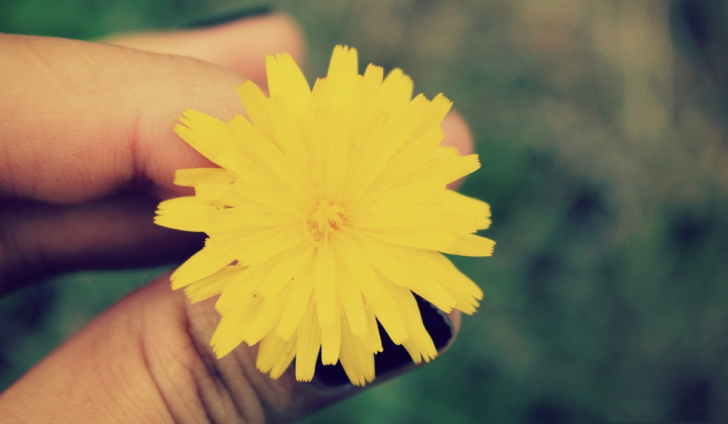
x=87 y=152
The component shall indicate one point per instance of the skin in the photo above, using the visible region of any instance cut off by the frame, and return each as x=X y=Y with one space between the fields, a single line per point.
x=86 y=153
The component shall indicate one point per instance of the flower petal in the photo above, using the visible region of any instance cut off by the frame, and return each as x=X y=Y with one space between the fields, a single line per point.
x=230 y=332
x=206 y=262
x=285 y=80
x=394 y=262
x=471 y=245
x=214 y=284
x=267 y=319
x=325 y=284
x=184 y=213
x=372 y=341
x=343 y=69
x=298 y=300
x=418 y=237
x=213 y=139
x=275 y=354
x=352 y=302
x=331 y=338
x=419 y=344
x=309 y=342
x=195 y=176
x=396 y=91
x=358 y=362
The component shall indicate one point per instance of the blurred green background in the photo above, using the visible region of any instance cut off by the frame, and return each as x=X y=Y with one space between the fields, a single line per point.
x=602 y=132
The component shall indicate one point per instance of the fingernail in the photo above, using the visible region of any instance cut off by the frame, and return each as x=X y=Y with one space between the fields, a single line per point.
x=437 y=323
x=330 y=376
x=219 y=18
x=393 y=357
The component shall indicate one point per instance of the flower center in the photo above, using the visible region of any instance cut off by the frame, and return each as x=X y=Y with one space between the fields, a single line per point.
x=326 y=218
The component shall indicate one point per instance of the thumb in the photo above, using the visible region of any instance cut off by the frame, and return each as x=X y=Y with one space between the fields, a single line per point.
x=147 y=359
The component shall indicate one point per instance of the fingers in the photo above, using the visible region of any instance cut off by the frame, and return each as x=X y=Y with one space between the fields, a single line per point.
x=81 y=120
x=240 y=45
x=40 y=239
x=148 y=359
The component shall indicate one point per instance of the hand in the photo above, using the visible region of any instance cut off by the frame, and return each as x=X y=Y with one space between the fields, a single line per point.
x=86 y=152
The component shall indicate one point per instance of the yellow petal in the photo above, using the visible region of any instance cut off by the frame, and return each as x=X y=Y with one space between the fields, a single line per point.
x=357 y=361
x=309 y=342
x=388 y=313
x=285 y=80
x=213 y=139
x=352 y=302
x=471 y=245
x=432 y=272
x=367 y=148
x=195 y=176
x=233 y=325
x=457 y=203
x=343 y=69
x=325 y=284
x=361 y=272
x=419 y=344
x=184 y=213
x=214 y=284
x=447 y=170
x=267 y=319
x=286 y=125
x=417 y=237
x=259 y=246
x=396 y=91
x=226 y=194
x=388 y=217
x=405 y=195
x=257 y=108
x=417 y=144
x=268 y=157
x=398 y=130
x=245 y=288
x=394 y=262
x=373 y=75
x=222 y=220
x=462 y=288
x=206 y=262
x=289 y=266
x=298 y=300
x=371 y=340
x=275 y=355
x=284 y=358
x=331 y=338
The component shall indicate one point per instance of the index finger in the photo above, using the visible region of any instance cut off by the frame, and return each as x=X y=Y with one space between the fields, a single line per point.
x=79 y=120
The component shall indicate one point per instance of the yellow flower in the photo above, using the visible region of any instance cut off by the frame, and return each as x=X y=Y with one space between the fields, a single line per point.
x=329 y=210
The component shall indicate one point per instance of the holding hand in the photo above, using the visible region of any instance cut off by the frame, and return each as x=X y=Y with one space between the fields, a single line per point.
x=87 y=151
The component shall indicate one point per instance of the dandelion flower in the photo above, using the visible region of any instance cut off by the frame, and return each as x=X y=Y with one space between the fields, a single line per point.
x=329 y=210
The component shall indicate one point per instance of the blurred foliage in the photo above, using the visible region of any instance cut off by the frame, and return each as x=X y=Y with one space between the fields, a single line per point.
x=602 y=132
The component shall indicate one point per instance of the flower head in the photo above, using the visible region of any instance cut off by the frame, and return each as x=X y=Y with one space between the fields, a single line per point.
x=329 y=210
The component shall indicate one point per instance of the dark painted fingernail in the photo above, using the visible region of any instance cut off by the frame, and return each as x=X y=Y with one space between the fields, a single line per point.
x=330 y=376
x=436 y=322
x=392 y=357
x=220 y=18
